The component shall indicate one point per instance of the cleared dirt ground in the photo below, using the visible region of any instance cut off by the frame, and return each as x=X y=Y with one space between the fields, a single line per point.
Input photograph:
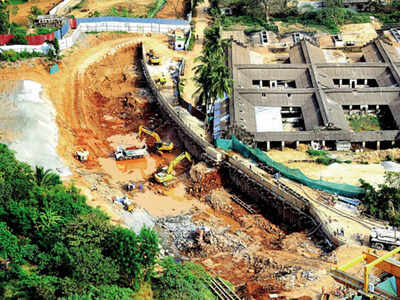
x=24 y=10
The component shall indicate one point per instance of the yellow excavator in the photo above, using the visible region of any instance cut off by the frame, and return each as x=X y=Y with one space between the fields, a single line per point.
x=165 y=176
x=159 y=145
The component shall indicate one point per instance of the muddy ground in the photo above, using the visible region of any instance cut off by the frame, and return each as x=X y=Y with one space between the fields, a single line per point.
x=101 y=99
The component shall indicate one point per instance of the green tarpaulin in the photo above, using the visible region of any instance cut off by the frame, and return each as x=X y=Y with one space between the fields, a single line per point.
x=294 y=174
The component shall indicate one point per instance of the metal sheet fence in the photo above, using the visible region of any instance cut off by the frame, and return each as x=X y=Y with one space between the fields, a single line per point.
x=39 y=39
x=133 y=20
x=99 y=24
x=5 y=38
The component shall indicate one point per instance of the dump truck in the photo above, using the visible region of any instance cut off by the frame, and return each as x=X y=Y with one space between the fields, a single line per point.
x=384 y=238
x=159 y=145
x=164 y=176
x=126 y=202
x=122 y=153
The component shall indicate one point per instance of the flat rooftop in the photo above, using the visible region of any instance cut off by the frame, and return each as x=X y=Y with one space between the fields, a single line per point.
x=316 y=93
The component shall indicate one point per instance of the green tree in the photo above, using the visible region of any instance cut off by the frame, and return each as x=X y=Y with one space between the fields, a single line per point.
x=177 y=281
x=134 y=254
x=46 y=177
x=383 y=202
x=4 y=20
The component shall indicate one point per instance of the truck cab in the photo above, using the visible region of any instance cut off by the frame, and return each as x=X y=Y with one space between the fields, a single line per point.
x=381 y=238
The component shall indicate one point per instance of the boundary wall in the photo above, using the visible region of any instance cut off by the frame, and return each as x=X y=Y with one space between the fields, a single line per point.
x=103 y=24
x=44 y=48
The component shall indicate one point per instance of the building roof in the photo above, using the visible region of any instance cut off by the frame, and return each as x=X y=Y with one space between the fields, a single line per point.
x=319 y=89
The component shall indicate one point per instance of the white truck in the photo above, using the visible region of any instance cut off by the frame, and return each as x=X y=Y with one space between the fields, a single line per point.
x=381 y=238
x=122 y=153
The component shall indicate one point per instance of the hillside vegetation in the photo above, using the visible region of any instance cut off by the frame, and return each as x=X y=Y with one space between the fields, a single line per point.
x=54 y=246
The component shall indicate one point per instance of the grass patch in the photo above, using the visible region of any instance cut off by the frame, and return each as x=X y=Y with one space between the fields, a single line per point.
x=45 y=30
x=364 y=123
x=121 y=12
x=154 y=8
x=323 y=158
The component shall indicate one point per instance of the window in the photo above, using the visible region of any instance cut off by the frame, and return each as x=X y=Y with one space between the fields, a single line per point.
x=372 y=83
x=265 y=83
x=256 y=82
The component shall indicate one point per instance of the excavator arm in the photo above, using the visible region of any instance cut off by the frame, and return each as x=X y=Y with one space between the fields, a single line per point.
x=177 y=160
x=160 y=145
x=149 y=132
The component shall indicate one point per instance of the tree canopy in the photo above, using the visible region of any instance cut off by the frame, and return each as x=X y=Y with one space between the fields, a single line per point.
x=53 y=245
x=383 y=202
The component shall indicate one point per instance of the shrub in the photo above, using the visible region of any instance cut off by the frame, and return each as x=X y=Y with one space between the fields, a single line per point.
x=389 y=157
x=18 y=40
x=317 y=153
x=45 y=30
x=326 y=160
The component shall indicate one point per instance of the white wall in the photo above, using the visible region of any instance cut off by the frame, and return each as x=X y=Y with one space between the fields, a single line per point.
x=44 y=48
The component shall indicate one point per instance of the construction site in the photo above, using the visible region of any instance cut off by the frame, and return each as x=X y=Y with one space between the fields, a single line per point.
x=111 y=123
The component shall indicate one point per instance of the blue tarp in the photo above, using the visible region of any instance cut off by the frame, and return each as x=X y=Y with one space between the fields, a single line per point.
x=65 y=28
x=54 y=69
x=132 y=20
x=57 y=34
x=389 y=285
x=351 y=201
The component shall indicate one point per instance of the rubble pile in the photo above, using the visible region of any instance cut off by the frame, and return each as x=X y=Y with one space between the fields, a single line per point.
x=219 y=202
x=204 y=180
x=187 y=236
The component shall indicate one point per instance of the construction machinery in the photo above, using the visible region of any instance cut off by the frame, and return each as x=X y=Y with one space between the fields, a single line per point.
x=161 y=80
x=159 y=145
x=153 y=58
x=365 y=287
x=122 y=153
x=82 y=155
x=165 y=176
x=381 y=238
x=126 y=202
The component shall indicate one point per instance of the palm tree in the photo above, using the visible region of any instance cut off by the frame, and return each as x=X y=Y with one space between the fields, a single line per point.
x=46 y=178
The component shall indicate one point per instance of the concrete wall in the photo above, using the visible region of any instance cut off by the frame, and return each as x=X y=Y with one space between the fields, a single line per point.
x=44 y=48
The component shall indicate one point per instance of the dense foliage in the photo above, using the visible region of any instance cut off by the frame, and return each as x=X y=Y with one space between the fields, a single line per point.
x=330 y=18
x=212 y=75
x=383 y=202
x=52 y=244
x=186 y=281
x=12 y=56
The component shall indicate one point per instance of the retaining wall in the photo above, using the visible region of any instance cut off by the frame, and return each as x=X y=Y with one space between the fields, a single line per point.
x=296 y=210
